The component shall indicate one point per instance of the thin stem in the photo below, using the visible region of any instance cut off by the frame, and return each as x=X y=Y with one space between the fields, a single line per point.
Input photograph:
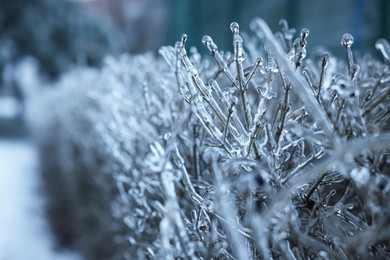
x=283 y=112
x=314 y=187
x=225 y=131
x=338 y=114
x=244 y=100
x=194 y=196
x=252 y=139
x=376 y=102
x=252 y=72
x=324 y=64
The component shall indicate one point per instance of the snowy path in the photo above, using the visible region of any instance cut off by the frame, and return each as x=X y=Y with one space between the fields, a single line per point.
x=24 y=233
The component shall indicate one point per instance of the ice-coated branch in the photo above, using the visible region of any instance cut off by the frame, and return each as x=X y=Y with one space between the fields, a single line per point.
x=208 y=41
x=354 y=147
x=239 y=57
x=186 y=179
x=263 y=31
x=172 y=219
x=347 y=41
x=324 y=64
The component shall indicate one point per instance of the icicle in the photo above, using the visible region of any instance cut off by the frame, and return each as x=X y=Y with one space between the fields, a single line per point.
x=300 y=47
x=271 y=63
x=237 y=43
x=239 y=57
x=324 y=64
x=347 y=41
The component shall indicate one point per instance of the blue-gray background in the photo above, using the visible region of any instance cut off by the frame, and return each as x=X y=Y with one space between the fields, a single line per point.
x=42 y=39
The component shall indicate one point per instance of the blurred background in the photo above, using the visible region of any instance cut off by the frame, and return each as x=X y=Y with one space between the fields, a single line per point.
x=42 y=39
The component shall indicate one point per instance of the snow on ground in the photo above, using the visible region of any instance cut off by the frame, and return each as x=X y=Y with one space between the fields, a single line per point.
x=24 y=232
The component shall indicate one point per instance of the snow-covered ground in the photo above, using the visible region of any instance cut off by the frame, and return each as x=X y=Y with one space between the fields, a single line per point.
x=24 y=232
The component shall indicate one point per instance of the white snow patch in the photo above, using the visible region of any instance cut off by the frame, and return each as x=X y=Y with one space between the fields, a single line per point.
x=24 y=233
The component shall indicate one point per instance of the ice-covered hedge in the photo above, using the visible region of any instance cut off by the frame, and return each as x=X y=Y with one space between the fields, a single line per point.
x=262 y=152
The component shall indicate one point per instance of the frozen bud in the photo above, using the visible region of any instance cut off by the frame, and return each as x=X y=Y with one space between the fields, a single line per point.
x=325 y=60
x=259 y=61
x=208 y=41
x=235 y=28
x=237 y=42
x=347 y=40
x=355 y=68
x=304 y=33
x=184 y=38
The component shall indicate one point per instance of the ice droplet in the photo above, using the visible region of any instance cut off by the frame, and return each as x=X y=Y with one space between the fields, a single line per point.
x=184 y=38
x=235 y=28
x=208 y=41
x=347 y=40
x=325 y=60
x=360 y=176
x=304 y=33
x=355 y=68
x=259 y=61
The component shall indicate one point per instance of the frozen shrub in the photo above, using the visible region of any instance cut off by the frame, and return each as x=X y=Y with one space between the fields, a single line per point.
x=265 y=152
x=74 y=163
x=94 y=132
x=291 y=152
